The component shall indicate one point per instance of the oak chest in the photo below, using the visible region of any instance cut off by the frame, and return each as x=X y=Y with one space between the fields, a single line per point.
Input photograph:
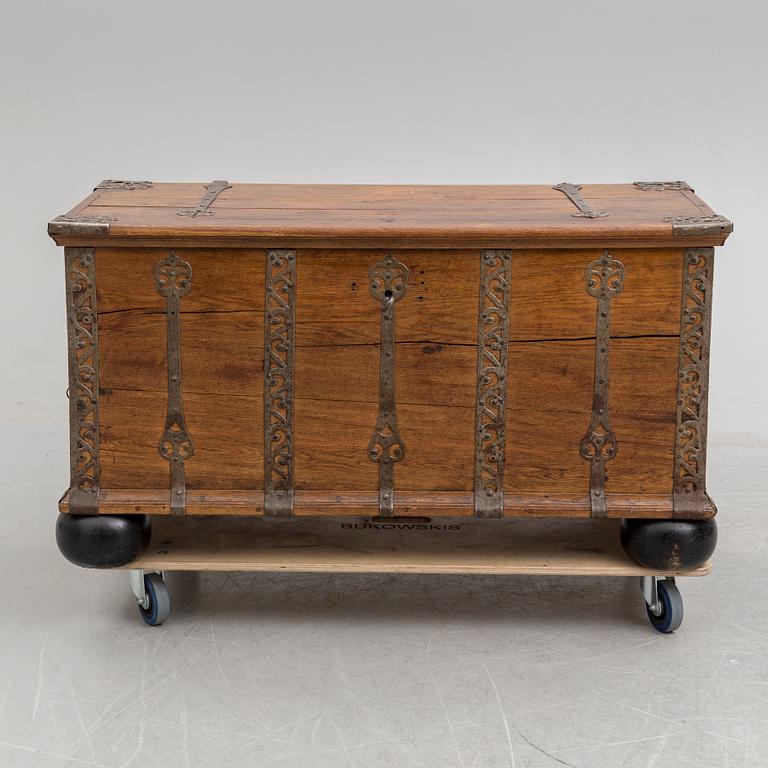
x=373 y=351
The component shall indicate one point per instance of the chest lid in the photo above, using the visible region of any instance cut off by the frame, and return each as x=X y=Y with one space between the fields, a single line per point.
x=332 y=215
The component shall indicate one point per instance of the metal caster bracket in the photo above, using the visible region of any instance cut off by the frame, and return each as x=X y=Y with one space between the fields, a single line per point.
x=136 y=580
x=649 y=585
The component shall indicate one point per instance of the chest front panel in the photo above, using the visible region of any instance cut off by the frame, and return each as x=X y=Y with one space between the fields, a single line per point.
x=553 y=329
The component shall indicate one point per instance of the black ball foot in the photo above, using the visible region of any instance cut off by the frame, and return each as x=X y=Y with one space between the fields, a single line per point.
x=669 y=545
x=102 y=541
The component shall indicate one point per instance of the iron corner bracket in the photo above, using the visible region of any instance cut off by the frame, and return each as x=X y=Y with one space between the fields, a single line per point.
x=120 y=184
x=662 y=186
x=78 y=224
x=83 y=502
x=700 y=226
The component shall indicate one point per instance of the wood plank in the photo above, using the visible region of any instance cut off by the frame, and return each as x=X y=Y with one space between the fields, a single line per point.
x=222 y=353
x=222 y=280
x=427 y=374
x=549 y=406
x=549 y=297
x=536 y=221
x=502 y=547
x=233 y=502
x=334 y=305
x=335 y=413
x=321 y=211
x=382 y=197
x=550 y=301
x=390 y=241
x=373 y=196
x=228 y=440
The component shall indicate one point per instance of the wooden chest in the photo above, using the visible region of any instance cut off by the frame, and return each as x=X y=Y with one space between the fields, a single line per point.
x=293 y=350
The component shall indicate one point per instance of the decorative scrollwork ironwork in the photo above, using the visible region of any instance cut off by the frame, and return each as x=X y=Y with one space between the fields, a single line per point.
x=126 y=185
x=492 y=343
x=662 y=186
x=83 y=342
x=693 y=383
x=175 y=443
x=173 y=277
x=388 y=283
x=573 y=193
x=279 y=322
x=605 y=277
x=213 y=190
x=173 y=280
x=605 y=281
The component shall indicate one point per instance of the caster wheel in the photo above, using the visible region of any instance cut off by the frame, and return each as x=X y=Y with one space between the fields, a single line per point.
x=669 y=615
x=158 y=607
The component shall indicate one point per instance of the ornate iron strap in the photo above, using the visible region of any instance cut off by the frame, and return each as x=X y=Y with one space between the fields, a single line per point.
x=661 y=186
x=279 y=321
x=573 y=193
x=689 y=496
x=605 y=281
x=492 y=341
x=83 y=342
x=388 y=284
x=694 y=226
x=214 y=189
x=173 y=279
x=127 y=185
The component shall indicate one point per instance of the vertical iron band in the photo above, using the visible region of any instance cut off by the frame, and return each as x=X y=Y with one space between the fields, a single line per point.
x=605 y=281
x=279 y=324
x=388 y=283
x=173 y=280
x=492 y=344
x=688 y=488
x=83 y=345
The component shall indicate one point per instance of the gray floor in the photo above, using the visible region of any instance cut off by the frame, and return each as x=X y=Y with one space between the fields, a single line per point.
x=291 y=671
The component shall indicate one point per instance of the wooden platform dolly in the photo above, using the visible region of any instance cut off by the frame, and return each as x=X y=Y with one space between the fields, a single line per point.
x=392 y=545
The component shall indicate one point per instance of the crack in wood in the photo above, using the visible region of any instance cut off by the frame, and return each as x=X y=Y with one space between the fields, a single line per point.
x=651 y=418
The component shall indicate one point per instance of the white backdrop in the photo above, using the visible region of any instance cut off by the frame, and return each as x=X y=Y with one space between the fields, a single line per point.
x=362 y=91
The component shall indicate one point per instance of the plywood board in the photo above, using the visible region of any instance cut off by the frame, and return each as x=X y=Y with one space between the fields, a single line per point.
x=544 y=547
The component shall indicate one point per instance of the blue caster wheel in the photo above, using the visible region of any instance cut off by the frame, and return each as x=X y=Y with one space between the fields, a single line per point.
x=156 y=607
x=667 y=614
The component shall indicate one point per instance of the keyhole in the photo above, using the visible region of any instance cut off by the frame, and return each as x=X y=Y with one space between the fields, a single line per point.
x=387 y=294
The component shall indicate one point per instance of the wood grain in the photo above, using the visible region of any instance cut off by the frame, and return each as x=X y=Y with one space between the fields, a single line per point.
x=363 y=196
x=334 y=305
x=223 y=280
x=549 y=298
